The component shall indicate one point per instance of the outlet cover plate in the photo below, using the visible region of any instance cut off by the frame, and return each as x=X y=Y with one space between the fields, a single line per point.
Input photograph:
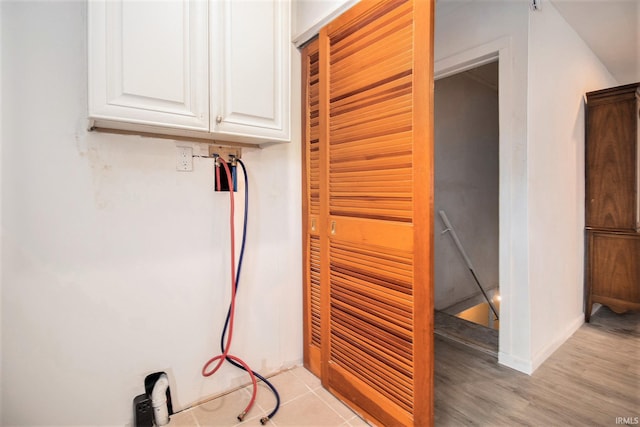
x=184 y=159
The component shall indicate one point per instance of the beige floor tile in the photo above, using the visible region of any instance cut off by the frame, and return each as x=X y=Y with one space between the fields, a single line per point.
x=265 y=401
x=333 y=402
x=289 y=387
x=358 y=422
x=303 y=403
x=183 y=419
x=308 y=410
x=307 y=377
x=224 y=410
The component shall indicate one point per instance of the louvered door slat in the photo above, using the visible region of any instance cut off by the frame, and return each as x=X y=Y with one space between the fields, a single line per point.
x=371 y=32
x=314 y=289
x=370 y=369
x=385 y=91
x=375 y=83
x=380 y=344
x=378 y=355
x=377 y=112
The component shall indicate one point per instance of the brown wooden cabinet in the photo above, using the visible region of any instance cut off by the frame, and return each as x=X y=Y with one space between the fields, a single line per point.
x=612 y=200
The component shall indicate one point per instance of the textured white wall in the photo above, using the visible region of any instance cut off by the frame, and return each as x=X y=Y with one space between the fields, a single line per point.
x=466 y=185
x=114 y=264
x=561 y=70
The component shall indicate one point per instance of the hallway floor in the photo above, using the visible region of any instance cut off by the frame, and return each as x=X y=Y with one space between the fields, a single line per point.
x=591 y=380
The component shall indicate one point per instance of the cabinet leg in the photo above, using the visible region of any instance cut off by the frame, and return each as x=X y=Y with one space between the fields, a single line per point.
x=587 y=311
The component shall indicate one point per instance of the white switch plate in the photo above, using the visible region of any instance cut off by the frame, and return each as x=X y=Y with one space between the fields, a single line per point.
x=184 y=159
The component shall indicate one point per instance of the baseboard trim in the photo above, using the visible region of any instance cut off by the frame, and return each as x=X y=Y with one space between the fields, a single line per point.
x=547 y=351
x=516 y=363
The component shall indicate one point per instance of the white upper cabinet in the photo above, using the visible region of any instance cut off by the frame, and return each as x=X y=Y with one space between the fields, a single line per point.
x=214 y=69
x=148 y=63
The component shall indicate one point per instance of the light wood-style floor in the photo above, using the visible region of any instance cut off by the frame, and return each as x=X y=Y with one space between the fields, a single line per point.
x=589 y=381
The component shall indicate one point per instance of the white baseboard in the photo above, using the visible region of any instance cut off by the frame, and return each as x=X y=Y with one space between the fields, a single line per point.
x=529 y=366
x=516 y=363
x=547 y=351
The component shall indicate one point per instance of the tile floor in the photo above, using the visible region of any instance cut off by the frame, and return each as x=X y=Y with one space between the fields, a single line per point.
x=303 y=402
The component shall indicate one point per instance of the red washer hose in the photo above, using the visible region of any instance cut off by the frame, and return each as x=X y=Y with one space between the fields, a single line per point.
x=221 y=357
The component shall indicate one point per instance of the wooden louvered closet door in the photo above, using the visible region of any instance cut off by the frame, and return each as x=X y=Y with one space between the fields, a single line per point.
x=376 y=210
x=311 y=205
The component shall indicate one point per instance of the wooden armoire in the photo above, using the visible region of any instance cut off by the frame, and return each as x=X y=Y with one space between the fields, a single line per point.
x=368 y=209
x=612 y=211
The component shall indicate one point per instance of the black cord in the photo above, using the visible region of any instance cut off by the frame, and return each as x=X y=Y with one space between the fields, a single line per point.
x=239 y=270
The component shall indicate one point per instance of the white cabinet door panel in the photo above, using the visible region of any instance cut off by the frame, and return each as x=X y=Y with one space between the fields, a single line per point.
x=148 y=62
x=250 y=64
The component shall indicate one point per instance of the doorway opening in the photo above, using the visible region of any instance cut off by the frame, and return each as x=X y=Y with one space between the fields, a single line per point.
x=467 y=225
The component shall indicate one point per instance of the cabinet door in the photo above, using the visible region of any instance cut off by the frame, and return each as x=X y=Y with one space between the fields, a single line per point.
x=615 y=270
x=250 y=64
x=148 y=62
x=376 y=108
x=612 y=159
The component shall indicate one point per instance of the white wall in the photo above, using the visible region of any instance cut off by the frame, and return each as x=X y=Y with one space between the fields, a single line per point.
x=114 y=264
x=549 y=69
x=311 y=15
x=463 y=30
x=466 y=184
x=561 y=70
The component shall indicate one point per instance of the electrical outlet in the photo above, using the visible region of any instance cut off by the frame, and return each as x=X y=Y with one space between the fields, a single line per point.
x=184 y=159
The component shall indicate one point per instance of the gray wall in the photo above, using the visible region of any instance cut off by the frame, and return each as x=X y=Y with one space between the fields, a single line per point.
x=466 y=182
